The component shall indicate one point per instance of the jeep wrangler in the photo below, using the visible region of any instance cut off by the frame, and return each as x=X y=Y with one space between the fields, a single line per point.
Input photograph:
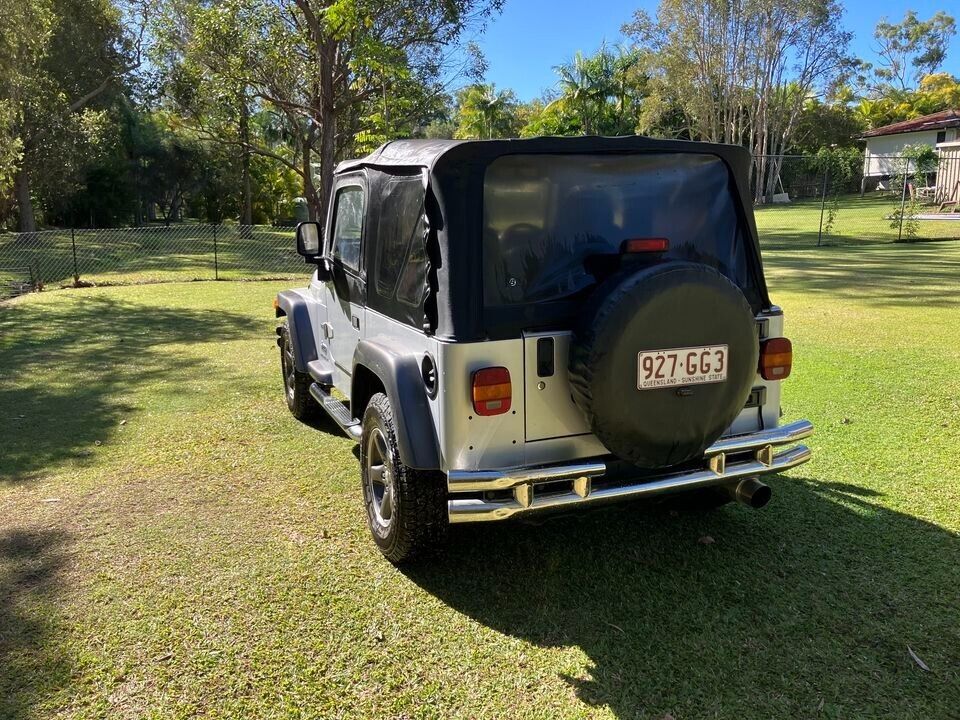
x=510 y=326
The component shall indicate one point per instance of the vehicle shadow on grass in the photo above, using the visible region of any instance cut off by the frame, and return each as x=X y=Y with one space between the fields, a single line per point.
x=70 y=372
x=805 y=608
x=33 y=661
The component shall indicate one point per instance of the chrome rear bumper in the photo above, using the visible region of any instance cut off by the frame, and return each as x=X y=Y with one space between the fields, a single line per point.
x=573 y=484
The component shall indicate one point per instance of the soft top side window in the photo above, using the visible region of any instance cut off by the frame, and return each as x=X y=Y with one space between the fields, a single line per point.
x=348 y=226
x=402 y=258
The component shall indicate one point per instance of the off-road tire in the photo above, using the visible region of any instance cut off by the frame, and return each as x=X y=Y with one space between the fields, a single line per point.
x=418 y=523
x=296 y=384
x=670 y=305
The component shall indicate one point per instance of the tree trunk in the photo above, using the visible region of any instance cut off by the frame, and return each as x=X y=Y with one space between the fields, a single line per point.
x=327 y=118
x=246 y=212
x=26 y=221
x=328 y=151
x=309 y=189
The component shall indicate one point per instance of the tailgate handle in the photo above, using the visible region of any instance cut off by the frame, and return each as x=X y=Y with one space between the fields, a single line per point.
x=545 y=357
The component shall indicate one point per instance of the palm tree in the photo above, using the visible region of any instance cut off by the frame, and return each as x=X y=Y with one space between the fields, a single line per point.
x=578 y=89
x=485 y=112
x=596 y=89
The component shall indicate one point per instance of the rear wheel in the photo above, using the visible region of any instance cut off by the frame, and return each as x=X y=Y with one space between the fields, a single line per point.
x=406 y=508
x=296 y=385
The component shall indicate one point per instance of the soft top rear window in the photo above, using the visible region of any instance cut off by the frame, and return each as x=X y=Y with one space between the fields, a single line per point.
x=545 y=215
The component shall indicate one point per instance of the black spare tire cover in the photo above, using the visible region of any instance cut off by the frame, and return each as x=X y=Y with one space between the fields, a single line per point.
x=668 y=306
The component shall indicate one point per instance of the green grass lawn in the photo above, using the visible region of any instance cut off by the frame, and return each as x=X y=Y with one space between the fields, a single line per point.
x=173 y=544
x=183 y=251
x=857 y=221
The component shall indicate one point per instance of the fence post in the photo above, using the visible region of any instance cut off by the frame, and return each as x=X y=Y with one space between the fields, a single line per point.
x=903 y=200
x=823 y=201
x=73 y=245
x=216 y=261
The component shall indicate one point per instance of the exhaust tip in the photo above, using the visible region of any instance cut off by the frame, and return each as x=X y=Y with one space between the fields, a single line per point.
x=752 y=492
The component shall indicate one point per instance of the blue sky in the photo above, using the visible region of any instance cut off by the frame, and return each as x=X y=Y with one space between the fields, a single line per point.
x=530 y=37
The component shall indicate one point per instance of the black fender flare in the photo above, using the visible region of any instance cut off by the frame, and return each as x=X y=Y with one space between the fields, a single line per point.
x=293 y=306
x=401 y=378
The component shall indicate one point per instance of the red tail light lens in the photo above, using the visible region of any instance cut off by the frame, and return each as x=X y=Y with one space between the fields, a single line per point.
x=776 y=358
x=645 y=245
x=492 y=391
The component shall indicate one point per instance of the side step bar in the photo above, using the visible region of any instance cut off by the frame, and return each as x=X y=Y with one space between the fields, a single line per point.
x=337 y=410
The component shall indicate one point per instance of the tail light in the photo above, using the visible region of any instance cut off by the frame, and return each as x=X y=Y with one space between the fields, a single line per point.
x=645 y=245
x=776 y=358
x=491 y=391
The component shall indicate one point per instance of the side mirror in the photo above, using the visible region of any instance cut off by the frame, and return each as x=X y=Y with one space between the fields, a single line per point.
x=308 y=239
x=310 y=246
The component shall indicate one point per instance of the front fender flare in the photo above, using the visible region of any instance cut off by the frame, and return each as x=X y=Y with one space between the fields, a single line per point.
x=403 y=383
x=293 y=306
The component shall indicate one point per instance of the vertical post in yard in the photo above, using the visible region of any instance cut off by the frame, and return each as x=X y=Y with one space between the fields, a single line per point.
x=216 y=261
x=823 y=202
x=73 y=244
x=903 y=200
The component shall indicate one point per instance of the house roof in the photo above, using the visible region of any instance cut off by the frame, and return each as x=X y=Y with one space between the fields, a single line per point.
x=935 y=121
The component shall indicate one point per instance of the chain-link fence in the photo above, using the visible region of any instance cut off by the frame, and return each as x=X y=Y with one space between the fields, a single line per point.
x=829 y=199
x=147 y=254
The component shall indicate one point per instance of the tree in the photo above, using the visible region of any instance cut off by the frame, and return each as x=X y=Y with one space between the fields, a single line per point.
x=11 y=148
x=58 y=60
x=596 y=94
x=936 y=92
x=483 y=112
x=828 y=123
x=547 y=117
x=910 y=49
x=342 y=74
x=742 y=71
x=939 y=91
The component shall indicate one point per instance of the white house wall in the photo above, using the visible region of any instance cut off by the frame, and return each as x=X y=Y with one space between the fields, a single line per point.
x=880 y=156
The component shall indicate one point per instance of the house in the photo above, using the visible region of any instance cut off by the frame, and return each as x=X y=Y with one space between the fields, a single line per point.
x=885 y=144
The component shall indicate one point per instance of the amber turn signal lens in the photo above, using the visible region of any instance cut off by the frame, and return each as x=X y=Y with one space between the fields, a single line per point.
x=492 y=391
x=776 y=358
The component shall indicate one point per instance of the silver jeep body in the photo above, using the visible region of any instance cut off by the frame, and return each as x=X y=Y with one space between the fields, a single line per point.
x=541 y=453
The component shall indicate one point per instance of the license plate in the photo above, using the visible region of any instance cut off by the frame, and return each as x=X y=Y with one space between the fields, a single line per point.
x=681 y=366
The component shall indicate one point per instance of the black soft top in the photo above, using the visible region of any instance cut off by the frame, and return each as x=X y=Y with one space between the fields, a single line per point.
x=403 y=153
x=455 y=174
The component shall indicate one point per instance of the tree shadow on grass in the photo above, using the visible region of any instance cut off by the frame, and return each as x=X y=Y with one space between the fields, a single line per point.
x=33 y=661
x=802 y=609
x=70 y=371
x=887 y=275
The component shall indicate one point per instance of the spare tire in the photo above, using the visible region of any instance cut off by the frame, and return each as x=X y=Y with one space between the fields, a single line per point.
x=669 y=306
